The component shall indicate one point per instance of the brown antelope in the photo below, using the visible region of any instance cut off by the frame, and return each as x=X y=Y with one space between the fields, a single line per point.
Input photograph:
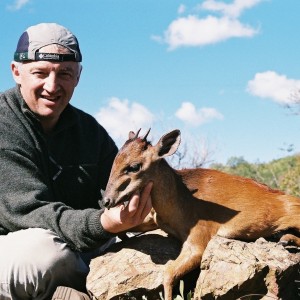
x=196 y=204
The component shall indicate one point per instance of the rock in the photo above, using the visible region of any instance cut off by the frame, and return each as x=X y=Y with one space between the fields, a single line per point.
x=231 y=269
x=133 y=269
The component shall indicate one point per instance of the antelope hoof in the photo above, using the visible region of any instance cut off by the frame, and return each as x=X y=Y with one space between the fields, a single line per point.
x=284 y=243
x=289 y=239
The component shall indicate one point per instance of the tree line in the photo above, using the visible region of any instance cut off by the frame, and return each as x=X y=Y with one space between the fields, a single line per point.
x=282 y=174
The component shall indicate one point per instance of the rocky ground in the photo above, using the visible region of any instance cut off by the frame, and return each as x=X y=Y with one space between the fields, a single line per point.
x=230 y=269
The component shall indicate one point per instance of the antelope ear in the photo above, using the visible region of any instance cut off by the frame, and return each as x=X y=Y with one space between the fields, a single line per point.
x=131 y=135
x=168 y=143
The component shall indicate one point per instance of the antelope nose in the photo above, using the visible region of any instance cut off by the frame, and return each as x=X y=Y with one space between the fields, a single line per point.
x=106 y=202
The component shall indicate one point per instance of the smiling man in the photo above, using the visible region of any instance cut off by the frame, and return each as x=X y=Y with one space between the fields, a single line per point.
x=47 y=87
x=54 y=161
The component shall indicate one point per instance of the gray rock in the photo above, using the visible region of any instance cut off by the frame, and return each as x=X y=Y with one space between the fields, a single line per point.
x=133 y=269
x=231 y=269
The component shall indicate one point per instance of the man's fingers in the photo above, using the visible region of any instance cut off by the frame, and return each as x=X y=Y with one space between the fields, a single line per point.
x=146 y=191
x=124 y=217
x=147 y=208
x=139 y=201
x=144 y=202
x=133 y=204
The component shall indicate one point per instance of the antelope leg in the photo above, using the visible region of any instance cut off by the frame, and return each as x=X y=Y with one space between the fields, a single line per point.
x=188 y=259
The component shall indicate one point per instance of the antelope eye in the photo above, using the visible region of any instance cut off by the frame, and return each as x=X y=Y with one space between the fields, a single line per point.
x=133 y=168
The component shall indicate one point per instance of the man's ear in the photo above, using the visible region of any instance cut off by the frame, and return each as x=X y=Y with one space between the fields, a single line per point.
x=15 y=69
x=79 y=74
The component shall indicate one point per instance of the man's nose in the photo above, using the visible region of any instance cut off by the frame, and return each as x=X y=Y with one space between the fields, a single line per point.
x=51 y=83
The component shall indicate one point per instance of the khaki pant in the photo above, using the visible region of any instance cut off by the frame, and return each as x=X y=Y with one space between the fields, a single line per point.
x=33 y=262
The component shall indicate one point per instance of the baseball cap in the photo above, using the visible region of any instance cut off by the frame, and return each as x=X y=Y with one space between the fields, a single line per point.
x=44 y=34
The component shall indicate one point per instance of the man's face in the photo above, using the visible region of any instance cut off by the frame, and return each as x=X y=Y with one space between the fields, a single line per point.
x=47 y=87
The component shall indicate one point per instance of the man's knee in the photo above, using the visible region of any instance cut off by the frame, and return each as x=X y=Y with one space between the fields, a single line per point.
x=39 y=260
x=46 y=250
x=39 y=247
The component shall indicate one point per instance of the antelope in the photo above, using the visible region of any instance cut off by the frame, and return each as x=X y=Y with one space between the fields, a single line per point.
x=195 y=204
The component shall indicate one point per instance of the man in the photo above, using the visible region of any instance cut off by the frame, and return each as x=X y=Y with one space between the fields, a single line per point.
x=54 y=161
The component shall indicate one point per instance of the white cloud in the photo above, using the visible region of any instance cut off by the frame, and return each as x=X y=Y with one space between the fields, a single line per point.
x=18 y=4
x=233 y=9
x=271 y=85
x=121 y=116
x=192 y=31
x=189 y=114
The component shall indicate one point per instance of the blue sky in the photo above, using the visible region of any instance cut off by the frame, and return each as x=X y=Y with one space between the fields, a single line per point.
x=220 y=71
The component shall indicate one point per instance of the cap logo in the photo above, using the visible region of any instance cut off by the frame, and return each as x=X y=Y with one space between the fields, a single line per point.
x=55 y=56
x=22 y=56
x=48 y=56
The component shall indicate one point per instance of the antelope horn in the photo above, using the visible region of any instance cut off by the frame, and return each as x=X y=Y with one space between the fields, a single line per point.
x=145 y=137
x=137 y=134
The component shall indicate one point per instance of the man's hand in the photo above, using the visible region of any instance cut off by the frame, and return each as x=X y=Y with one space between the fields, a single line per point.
x=121 y=217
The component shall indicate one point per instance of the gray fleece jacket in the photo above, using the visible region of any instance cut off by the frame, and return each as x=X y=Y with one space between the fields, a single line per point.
x=53 y=181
